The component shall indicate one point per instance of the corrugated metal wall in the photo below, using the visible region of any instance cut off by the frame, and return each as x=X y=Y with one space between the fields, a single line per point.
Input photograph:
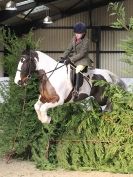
x=101 y=16
x=111 y=41
x=58 y=39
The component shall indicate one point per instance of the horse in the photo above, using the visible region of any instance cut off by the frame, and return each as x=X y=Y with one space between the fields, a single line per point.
x=56 y=85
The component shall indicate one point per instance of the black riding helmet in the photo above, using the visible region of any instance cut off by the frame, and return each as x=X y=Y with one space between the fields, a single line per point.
x=79 y=28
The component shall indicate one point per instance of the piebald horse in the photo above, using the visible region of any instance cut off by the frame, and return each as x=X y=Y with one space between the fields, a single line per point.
x=55 y=82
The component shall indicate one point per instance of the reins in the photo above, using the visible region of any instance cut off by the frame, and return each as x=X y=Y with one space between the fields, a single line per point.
x=29 y=75
x=86 y=78
x=52 y=71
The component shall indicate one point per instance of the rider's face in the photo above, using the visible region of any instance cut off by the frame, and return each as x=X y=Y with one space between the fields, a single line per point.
x=78 y=35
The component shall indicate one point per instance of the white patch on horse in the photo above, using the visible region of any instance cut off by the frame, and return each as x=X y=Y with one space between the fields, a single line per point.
x=105 y=73
x=60 y=79
x=17 y=77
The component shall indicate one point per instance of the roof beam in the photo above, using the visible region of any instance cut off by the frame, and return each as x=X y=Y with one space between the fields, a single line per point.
x=85 y=8
x=102 y=3
x=4 y=14
x=44 y=1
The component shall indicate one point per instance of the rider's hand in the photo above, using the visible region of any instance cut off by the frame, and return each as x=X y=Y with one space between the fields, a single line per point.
x=67 y=61
x=61 y=60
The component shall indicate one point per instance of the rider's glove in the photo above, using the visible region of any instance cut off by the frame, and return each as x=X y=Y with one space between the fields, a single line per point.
x=61 y=60
x=67 y=61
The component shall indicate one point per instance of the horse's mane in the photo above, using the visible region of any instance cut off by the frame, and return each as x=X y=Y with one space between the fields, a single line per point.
x=30 y=53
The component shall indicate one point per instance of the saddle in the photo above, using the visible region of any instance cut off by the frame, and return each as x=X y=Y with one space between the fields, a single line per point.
x=80 y=75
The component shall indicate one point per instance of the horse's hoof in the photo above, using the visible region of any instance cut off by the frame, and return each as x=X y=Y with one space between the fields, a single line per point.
x=46 y=121
x=51 y=122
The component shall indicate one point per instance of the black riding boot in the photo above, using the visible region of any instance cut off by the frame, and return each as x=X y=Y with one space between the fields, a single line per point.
x=79 y=81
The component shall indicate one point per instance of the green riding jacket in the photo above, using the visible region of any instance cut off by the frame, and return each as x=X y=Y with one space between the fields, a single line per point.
x=78 y=53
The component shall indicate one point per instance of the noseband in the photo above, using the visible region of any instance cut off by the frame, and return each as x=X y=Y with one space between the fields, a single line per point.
x=28 y=76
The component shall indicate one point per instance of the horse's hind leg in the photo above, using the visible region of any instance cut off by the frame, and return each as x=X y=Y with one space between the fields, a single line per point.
x=108 y=107
x=95 y=105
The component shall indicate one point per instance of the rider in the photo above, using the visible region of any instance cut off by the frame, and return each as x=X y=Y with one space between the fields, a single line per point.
x=77 y=52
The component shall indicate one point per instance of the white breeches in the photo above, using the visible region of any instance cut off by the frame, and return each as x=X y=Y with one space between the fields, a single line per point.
x=79 y=68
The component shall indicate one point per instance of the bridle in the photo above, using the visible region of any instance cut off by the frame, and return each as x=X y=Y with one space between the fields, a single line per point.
x=29 y=74
x=51 y=71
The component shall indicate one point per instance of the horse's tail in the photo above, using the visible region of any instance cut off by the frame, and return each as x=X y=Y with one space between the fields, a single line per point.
x=122 y=84
x=117 y=80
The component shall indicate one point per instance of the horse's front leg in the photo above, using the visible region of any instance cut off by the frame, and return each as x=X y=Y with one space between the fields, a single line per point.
x=44 y=108
x=37 y=107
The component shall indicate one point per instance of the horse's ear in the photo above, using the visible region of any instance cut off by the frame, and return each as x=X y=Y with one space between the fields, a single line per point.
x=26 y=51
x=28 y=48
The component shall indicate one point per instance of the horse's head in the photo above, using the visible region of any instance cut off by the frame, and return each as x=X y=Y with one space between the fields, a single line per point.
x=26 y=66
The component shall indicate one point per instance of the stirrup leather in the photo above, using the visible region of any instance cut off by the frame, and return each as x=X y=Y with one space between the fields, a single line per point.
x=75 y=94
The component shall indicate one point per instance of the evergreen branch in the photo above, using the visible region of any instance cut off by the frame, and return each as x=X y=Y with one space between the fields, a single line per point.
x=78 y=141
x=13 y=151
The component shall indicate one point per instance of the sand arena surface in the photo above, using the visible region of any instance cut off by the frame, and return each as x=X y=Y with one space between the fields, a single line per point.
x=17 y=168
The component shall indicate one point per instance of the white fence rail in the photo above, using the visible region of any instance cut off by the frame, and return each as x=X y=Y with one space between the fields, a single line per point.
x=3 y=87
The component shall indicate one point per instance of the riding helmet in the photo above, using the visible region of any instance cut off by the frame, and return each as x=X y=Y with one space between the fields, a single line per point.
x=79 y=28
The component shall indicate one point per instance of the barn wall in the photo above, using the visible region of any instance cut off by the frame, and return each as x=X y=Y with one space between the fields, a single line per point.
x=111 y=40
x=101 y=16
x=57 y=39
x=113 y=61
